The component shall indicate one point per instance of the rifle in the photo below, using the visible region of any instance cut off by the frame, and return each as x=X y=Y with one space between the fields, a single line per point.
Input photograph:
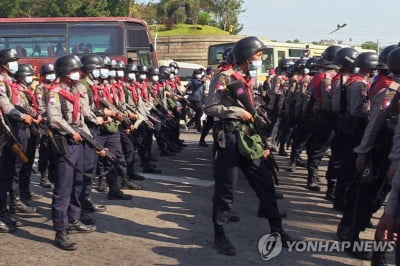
x=94 y=144
x=15 y=145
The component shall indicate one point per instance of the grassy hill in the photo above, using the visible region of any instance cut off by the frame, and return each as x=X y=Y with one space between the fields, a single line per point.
x=185 y=29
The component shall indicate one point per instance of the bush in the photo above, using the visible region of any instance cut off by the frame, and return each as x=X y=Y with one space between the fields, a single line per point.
x=204 y=18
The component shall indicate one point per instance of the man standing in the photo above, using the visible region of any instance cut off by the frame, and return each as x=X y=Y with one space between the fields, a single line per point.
x=247 y=54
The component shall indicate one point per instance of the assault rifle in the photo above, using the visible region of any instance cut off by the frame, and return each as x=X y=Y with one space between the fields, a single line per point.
x=95 y=145
x=15 y=145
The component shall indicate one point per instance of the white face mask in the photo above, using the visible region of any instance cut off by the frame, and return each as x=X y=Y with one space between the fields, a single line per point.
x=254 y=65
x=171 y=76
x=28 y=79
x=176 y=71
x=155 y=78
x=306 y=71
x=51 y=77
x=13 y=67
x=104 y=72
x=198 y=76
x=253 y=73
x=96 y=73
x=112 y=73
x=132 y=76
x=120 y=73
x=74 y=76
x=142 y=76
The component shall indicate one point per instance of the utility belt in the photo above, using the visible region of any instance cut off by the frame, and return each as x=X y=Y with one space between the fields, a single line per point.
x=228 y=125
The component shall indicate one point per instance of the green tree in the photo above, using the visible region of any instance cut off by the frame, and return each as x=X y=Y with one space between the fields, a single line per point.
x=370 y=45
x=227 y=13
x=93 y=8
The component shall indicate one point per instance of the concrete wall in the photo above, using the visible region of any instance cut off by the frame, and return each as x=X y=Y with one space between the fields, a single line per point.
x=190 y=48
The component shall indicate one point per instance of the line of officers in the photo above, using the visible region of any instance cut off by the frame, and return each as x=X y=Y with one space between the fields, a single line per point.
x=348 y=102
x=119 y=107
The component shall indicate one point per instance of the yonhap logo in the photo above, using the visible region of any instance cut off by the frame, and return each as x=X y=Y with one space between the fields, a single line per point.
x=270 y=246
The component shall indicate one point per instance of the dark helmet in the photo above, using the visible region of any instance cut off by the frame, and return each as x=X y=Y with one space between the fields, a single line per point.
x=300 y=63
x=142 y=69
x=46 y=68
x=366 y=61
x=131 y=68
x=330 y=52
x=174 y=65
x=383 y=56
x=196 y=72
x=285 y=63
x=154 y=71
x=346 y=57
x=67 y=63
x=7 y=55
x=311 y=63
x=393 y=60
x=165 y=71
x=106 y=61
x=245 y=48
x=210 y=69
x=23 y=71
x=117 y=64
x=91 y=62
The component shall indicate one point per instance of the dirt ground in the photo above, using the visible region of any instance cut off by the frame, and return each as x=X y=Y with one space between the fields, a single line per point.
x=169 y=222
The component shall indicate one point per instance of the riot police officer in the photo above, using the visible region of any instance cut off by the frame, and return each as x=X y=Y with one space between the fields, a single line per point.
x=247 y=54
x=66 y=109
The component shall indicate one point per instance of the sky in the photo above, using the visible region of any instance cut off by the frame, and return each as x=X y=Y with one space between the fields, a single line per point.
x=313 y=20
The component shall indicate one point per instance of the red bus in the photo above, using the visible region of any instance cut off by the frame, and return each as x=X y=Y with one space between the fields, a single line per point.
x=42 y=40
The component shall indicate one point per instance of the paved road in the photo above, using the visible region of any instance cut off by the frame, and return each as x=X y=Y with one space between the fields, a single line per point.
x=169 y=222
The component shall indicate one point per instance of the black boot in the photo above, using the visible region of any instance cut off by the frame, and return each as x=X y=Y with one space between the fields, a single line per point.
x=116 y=194
x=330 y=192
x=89 y=206
x=282 y=151
x=312 y=180
x=6 y=218
x=147 y=168
x=222 y=243
x=5 y=228
x=276 y=227
x=164 y=153
x=126 y=184
x=136 y=176
x=77 y=226
x=44 y=180
x=102 y=185
x=17 y=205
x=62 y=241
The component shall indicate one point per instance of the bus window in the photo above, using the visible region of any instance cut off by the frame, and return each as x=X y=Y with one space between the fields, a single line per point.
x=297 y=52
x=267 y=60
x=281 y=55
x=32 y=46
x=95 y=38
x=215 y=53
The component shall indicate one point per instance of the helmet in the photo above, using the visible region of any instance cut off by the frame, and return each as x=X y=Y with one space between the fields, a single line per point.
x=165 y=71
x=130 y=68
x=7 y=55
x=330 y=52
x=196 y=72
x=285 y=63
x=245 y=48
x=154 y=71
x=23 y=71
x=393 y=60
x=383 y=56
x=366 y=61
x=345 y=58
x=300 y=63
x=142 y=69
x=210 y=69
x=117 y=64
x=91 y=62
x=46 y=68
x=107 y=61
x=67 y=63
x=174 y=65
